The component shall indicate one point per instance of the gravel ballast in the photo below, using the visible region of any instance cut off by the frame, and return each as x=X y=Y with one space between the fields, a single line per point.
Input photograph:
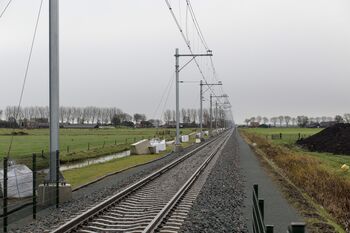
x=86 y=197
x=219 y=206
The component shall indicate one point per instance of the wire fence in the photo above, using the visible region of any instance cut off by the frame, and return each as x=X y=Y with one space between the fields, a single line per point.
x=27 y=189
x=291 y=138
x=76 y=152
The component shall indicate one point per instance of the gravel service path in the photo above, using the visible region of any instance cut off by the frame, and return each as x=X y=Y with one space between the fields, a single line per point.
x=219 y=206
x=86 y=197
x=278 y=211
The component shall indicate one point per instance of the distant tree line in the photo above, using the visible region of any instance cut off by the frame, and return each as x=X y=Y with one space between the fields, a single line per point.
x=74 y=115
x=301 y=121
x=106 y=116
x=191 y=116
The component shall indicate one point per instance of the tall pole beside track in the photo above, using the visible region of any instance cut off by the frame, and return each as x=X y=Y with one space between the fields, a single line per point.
x=201 y=109
x=177 y=72
x=54 y=86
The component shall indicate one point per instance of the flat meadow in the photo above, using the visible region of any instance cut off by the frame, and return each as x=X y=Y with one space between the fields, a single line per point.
x=75 y=144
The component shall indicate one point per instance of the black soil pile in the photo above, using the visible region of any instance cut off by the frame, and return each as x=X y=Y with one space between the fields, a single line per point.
x=334 y=139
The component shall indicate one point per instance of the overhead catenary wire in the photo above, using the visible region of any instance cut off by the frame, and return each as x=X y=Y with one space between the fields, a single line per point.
x=200 y=35
x=26 y=71
x=184 y=38
x=4 y=10
x=166 y=90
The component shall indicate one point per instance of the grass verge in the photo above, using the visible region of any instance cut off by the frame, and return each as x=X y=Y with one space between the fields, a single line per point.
x=321 y=196
x=81 y=176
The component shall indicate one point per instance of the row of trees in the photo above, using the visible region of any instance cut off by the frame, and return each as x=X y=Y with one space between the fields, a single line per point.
x=301 y=121
x=73 y=115
x=113 y=115
x=191 y=116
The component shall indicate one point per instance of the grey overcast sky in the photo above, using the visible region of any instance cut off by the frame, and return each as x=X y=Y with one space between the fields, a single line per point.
x=274 y=57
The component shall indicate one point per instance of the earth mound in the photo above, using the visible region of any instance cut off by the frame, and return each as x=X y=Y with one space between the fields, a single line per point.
x=334 y=139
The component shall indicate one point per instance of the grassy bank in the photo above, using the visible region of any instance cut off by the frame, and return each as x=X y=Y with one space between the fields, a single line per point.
x=317 y=175
x=76 y=144
x=80 y=176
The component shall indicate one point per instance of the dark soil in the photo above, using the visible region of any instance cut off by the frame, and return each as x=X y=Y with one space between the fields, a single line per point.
x=334 y=139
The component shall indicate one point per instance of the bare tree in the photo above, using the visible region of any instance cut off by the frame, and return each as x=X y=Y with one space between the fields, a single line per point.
x=324 y=118
x=194 y=115
x=274 y=121
x=294 y=121
x=258 y=119
x=247 y=121
x=318 y=119
x=302 y=121
x=167 y=116
x=173 y=115
x=184 y=115
x=347 y=117
x=287 y=120
x=206 y=117
x=280 y=119
x=265 y=120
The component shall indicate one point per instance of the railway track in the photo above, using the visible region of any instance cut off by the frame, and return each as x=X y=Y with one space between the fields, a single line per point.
x=158 y=203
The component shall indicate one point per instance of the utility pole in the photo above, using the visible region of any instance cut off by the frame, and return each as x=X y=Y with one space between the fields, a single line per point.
x=211 y=110
x=216 y=115
x=201 y=101
x=201 y=108
x=54 y=86
x=211 y=115
x=57 y=192
x=177 y=72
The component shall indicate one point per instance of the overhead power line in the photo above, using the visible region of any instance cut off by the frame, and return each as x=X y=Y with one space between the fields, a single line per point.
x=3 y=11
x=186 y=41
x=26 y=70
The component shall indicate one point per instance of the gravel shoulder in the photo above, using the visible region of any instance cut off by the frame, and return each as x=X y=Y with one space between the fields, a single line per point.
x=278 y=211
x=225 y=202
x=219 y=206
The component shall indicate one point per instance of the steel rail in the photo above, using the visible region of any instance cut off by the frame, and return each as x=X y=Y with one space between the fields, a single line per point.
x=96 y=210
x=156 y=222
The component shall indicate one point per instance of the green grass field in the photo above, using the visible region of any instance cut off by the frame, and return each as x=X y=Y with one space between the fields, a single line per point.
x=76 y=144
x=80 y=176
x=290 y=135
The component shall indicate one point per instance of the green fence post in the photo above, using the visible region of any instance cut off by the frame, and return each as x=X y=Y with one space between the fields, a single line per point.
x=34 y=186
x=5 y=195
x=261 y=207
x=269 y=229
x=88 y=145
x=297 y=227
x=256 y=190
x=280 y=135
x=115 y=142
